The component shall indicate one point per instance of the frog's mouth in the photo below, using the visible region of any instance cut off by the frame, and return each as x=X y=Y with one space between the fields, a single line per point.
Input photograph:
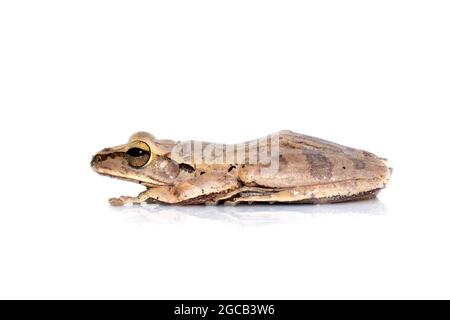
x=114 y=165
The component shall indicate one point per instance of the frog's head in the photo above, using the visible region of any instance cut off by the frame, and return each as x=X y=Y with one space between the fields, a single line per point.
x=143 y=160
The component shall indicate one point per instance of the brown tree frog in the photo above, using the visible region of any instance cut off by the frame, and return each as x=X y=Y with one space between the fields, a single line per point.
x=284 y=167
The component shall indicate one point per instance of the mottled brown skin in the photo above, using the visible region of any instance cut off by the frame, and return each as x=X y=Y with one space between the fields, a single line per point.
x=311 y=170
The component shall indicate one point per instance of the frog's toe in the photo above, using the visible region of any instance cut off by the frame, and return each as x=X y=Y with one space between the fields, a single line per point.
x=230 y=203
x=116 y=202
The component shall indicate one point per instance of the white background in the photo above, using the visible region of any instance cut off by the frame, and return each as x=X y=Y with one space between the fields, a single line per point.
x=77 y=76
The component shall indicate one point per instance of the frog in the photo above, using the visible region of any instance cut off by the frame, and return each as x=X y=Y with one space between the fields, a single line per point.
x=283 y=167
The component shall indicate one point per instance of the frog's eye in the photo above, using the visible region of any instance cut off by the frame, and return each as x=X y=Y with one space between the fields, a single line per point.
x=139 y=154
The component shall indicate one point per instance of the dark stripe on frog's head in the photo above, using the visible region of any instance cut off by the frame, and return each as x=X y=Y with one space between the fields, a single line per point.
x=101 y=157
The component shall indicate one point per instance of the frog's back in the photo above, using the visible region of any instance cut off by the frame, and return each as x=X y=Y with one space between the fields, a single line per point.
x=304 y=160
x=295 y=159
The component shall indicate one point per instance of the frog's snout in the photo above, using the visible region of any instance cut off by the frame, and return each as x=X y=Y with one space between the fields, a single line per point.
x=103 y=155
x=96 y=160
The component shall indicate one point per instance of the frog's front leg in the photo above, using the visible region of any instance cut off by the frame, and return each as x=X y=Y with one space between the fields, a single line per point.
x=203 y=189
x=164 y=194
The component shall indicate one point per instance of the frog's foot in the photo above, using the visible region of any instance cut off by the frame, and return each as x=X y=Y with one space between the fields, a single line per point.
x=124 y=200
x=121 y=201
x=152 y=195
x=230 y=203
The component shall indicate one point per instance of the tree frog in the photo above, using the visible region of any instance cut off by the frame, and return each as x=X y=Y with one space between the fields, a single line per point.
x=284 y=167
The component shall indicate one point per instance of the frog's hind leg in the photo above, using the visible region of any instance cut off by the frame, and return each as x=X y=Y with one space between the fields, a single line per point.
x=367 y=195
x=315 y=194
x=226 y=196
x=249 y=195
